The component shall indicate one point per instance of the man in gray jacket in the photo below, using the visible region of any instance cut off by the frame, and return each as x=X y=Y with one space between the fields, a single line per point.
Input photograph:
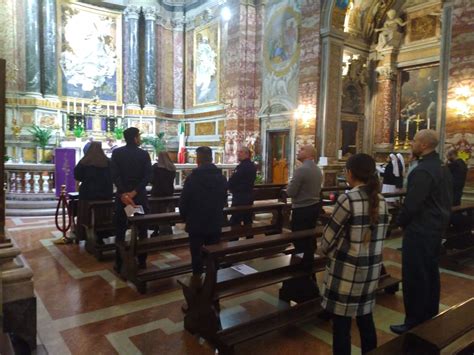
x=304 y=190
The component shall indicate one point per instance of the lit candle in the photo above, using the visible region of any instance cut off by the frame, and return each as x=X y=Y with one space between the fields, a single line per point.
x=82 y=107
x=108 y=110
x=115 y=110
x=428 y=123
x=74 y=106
x=68 y=105
x=123 y=110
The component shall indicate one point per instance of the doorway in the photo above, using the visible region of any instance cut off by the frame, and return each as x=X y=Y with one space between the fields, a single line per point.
x=278 y=156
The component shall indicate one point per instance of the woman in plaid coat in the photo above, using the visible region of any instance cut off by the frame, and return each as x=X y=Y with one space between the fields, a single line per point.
x=353 y=241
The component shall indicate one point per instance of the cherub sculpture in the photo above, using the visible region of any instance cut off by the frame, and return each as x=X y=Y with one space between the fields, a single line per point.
x=389 y=29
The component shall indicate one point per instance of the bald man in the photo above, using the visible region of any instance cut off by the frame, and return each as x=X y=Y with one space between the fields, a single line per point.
x=304 y=190
x=423 y=217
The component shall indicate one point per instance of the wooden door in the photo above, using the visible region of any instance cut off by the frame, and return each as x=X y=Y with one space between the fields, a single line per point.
x=278 y=157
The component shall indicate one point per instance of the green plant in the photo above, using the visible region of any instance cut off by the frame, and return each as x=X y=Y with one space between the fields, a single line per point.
x=78 y=131
x=118 y=133
x=6 y=158
x=41 y=135
x=259 y=179
x=157 y=142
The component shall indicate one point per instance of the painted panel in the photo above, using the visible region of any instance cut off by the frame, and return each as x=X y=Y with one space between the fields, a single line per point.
x=206 y=64
x=205 y=128
x=91 y=52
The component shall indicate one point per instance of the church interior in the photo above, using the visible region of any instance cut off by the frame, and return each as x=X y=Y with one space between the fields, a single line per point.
x=345 y=76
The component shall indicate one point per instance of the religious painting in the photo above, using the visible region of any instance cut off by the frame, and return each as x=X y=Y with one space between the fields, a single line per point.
x=423 y=27
x=206 y=64
x=281 y=43
x=418 y=95
x=90 y=58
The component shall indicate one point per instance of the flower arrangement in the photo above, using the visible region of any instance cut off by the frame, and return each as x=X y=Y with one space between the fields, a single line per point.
x=118 y=133
x=78 y=131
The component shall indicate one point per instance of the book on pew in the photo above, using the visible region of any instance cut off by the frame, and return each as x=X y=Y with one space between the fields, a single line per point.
x=130 y=210
x=244 y=269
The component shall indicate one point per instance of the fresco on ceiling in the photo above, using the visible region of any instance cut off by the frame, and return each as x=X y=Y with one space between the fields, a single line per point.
x=206 y=64
x=90 y=59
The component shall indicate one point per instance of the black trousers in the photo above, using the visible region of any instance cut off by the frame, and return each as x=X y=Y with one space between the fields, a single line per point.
x=420 y=276
x=303 y=288
x=341 y=334
x=196 y=241
x=121 y=225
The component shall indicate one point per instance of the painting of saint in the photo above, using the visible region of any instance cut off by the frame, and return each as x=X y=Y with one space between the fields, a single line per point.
x=281 y=41
x=206 y=64
x=90 y=55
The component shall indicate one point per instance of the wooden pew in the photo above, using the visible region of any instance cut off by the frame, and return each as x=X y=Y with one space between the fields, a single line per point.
x=264 y=255
x=450 y=332
x=130 y=251
x=460 y=234
x=102 y=222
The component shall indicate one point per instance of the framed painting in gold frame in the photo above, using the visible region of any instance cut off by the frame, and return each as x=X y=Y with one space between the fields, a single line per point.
x=206 y=64
x=90 y=52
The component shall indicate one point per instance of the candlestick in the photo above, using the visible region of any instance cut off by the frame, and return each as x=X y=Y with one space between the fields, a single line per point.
x=428 y=123
x=108 y=110
x=74 y=106
x=408 y=126
x=67 y=103
x=398 y=125
x=82 y=107
x=115 y=110
x=123 y=110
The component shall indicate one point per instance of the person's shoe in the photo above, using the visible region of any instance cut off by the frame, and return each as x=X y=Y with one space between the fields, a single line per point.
x=400 y=328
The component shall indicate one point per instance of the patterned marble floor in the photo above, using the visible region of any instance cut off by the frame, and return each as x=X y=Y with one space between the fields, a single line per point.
x=83 y=308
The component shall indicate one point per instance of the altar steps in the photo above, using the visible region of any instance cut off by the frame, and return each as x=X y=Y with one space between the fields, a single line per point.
x=32 y=205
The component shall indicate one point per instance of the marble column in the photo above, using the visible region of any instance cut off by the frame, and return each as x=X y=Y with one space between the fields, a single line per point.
x=32 y=47
x=330 y=93
x=50 y=73
x=131 y=67
x=150 y=55
x=384 y=107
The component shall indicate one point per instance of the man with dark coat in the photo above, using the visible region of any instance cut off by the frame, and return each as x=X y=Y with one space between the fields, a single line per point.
x=458 y=169
x=201 y=204
x=131 y=173
x=423 y=217
x=241 y=186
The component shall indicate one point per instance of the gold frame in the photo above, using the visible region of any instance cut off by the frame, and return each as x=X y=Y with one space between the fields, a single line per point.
x=118 y=45
x=198 y=31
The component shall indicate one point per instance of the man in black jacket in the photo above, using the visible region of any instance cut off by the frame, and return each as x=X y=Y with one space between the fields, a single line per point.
x=202 y=200
x=458 y=169
x=241 y=186
x=131 y=173
x=423 y=217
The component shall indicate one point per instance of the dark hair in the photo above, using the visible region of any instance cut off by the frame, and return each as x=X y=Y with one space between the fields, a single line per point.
x=130 y=134
x=204 y=154
x=362 y=167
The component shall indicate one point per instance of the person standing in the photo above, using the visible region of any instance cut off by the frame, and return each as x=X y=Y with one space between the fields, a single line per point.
x=304 y=190
x=131 y=173
x=392 y=177
x=423 y=218
x=93 y=171
x=201 y=205
x=458 y=169
x=164 y=173
x=241 y=186
x=352 y=241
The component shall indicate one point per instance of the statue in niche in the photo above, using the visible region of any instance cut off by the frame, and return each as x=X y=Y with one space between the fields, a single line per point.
x=351 y=99
x=206 y=71
x=357 y=72
x=389 y=35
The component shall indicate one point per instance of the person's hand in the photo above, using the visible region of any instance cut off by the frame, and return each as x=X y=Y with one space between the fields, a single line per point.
x=127 y=199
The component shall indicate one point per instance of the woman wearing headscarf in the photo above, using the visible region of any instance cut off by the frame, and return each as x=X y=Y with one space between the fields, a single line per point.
x=164 y=173
x=94 y=174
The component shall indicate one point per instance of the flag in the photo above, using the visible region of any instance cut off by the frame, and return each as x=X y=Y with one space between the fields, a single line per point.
x=182 y=148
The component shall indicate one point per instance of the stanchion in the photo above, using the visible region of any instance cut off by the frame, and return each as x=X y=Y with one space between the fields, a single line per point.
x=65 y=214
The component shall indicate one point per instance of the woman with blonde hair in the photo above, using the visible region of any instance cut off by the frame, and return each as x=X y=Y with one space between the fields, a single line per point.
x=353 y=241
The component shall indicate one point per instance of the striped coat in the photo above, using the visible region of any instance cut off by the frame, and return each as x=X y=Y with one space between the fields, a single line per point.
x=353 y=268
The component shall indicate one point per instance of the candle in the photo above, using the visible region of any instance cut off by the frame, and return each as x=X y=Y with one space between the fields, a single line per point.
x=408 y=126
x=115 y=110
x=68 y=105
x=428 y=123
x=108 y=110
x=82 y=107
x=398 y=126
x=74 y=106
x=123 y=110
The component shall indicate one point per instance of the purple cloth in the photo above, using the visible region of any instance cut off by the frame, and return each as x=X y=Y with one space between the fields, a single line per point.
x=89 y=124
x=65 y=161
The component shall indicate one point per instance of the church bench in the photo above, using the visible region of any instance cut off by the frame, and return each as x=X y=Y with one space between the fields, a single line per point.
x=450 y=332
x=264 y=255
x=273 y=192
x=101 y=222
x=129 y=251
x=274 y=262
x=460 y=233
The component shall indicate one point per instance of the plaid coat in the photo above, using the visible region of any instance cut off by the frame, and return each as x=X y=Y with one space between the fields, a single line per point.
x=353 y=269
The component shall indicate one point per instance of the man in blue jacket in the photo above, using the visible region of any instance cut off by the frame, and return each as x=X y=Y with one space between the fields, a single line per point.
x=424 y=216
x=241 y=186
x=201 y=204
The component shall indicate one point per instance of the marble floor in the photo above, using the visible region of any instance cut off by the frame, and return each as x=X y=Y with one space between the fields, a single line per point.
x=84 y=308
